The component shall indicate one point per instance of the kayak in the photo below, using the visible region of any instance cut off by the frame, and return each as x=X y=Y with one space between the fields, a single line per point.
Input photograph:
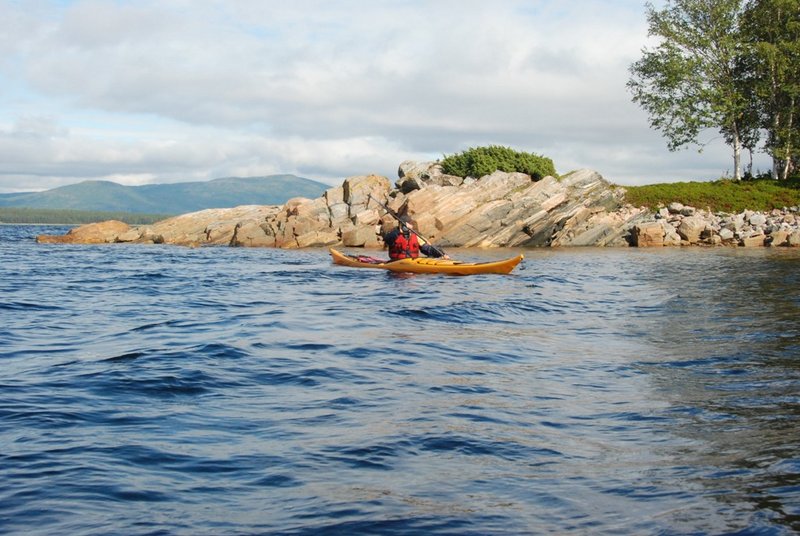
x=425 y=265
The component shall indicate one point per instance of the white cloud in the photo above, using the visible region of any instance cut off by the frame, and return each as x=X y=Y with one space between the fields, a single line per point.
x=180 y=90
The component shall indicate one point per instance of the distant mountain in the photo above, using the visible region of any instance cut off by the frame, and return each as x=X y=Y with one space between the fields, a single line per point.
x=175 y=198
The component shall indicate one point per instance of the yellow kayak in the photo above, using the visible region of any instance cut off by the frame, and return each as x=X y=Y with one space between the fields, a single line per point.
x=425 y=265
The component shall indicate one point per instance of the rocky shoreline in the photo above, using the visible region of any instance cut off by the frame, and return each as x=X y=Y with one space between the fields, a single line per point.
x=678 y=225
x=498 y=210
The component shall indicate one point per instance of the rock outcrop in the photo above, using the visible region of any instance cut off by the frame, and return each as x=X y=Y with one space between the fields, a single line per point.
x=95 y=233
x=509 y=210
x=497 y=210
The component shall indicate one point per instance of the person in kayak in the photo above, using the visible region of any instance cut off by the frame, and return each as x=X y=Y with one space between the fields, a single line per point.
x=404 y=244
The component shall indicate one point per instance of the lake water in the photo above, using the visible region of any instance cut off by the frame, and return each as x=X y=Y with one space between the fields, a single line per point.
x=167 y=390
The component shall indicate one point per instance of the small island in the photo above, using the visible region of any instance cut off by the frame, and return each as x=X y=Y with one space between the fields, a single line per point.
x=497 y=209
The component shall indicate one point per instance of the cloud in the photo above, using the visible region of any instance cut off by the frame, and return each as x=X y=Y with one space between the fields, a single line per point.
x=38 y=154
x=182 y=90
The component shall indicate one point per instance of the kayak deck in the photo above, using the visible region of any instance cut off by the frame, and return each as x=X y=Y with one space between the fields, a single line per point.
x=425 y=265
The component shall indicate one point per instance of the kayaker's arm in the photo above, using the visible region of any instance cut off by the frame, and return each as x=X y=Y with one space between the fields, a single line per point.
x=390 y=237
x=431 y=251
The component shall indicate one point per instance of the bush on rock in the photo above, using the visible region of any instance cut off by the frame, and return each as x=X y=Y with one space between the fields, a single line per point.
x=479 y=161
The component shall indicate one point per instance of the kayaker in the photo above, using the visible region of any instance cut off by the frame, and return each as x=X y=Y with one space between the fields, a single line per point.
x=403 y=243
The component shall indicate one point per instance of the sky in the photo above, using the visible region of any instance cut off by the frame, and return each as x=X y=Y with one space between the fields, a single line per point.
x=160 y=91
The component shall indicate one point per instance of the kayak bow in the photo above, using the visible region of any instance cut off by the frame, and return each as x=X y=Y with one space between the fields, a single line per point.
x=425 y=265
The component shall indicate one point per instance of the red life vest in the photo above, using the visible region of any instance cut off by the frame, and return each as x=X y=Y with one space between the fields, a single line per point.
x=404 y=247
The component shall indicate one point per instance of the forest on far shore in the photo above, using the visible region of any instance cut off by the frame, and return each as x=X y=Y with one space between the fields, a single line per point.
x=21 y=215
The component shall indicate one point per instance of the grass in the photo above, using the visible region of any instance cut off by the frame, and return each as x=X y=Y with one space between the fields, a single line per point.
x=720 y=196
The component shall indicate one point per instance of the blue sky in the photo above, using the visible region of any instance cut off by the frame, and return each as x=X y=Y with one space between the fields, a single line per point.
x=166 y=91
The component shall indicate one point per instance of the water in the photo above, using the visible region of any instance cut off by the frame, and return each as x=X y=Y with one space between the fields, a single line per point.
x=166 y=390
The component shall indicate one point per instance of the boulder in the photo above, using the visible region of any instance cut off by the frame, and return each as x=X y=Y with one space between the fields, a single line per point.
x=648 y=234
x=691 y=228
x=367 y=217
x=726 y=235
x=338 y=210
x=756 y=240
x=735 y=223
x=671 y=236
x=410 y=169
x=357 y=190
x=675 y=208
x=418 y=175
x=777 y=238
x=409 y=184
x=361 y=237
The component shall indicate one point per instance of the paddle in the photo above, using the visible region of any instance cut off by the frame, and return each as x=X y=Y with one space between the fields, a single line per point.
x=403 y=225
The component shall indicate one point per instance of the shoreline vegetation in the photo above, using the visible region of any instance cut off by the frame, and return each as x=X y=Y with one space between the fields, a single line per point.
x=722 y=195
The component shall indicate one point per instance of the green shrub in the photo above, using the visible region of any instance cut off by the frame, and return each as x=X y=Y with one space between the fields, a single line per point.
x=722 y=195
x=480 y=161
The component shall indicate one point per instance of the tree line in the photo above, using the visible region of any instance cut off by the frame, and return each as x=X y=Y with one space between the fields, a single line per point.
x=731 y=65
x=22 y=215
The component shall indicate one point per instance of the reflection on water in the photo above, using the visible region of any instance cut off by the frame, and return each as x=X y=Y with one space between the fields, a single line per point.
x=728 y=363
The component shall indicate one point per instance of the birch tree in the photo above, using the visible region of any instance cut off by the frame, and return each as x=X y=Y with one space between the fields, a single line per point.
x=771 y=30
x=688 y=82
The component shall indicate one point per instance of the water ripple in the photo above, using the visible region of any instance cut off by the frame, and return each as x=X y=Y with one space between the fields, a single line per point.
x=255 y=391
